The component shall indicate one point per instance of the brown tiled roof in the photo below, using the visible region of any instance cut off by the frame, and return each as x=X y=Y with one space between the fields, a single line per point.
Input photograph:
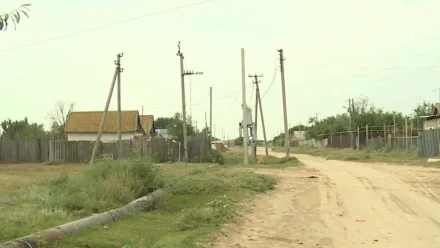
x=147 y=122
x=88 y=122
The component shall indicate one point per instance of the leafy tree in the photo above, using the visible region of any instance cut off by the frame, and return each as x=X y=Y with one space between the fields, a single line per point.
x=14 y=16
x=21 y=130
x=423 y=109
x=174 y=125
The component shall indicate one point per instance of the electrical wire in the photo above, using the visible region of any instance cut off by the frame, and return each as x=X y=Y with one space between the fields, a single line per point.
x=273 y=79
x=107 y=25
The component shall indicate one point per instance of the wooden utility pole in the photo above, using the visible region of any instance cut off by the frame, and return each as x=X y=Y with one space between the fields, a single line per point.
x=244 y=106
x=182 y=85
x=283 y=87
x=104 y=115
x=120 y=70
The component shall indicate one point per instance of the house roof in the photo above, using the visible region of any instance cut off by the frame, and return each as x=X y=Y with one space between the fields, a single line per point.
x=88 y=122
x=147 y=122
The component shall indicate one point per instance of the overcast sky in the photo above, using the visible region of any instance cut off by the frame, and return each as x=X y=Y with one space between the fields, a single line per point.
x=335 y=50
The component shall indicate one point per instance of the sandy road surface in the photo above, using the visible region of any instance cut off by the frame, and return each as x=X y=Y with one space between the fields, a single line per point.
x=347 y=205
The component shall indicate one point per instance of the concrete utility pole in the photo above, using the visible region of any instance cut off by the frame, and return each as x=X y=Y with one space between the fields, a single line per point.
x=210 y=111
x=104 y=115
x=182 y=84
x=262 y=119
x=255 y=76
x=283 y=87
x=244 y=106
x=120 y=70
x=206 y=126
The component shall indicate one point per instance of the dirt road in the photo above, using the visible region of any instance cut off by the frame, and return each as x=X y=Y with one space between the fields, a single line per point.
x=343 y=204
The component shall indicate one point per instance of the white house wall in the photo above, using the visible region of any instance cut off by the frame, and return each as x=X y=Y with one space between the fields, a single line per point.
x=92 y=136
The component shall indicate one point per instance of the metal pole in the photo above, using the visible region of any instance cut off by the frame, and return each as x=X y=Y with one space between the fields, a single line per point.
x=244 y=106
x=182 y=85
x=283 y=87
x=118 y=63
x=104 y=115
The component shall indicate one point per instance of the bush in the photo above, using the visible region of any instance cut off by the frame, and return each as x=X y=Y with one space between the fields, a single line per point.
x=104 y=185
x=215 y=156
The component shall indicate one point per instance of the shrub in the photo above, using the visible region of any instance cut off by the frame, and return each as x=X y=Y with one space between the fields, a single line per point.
x=104 y=185
x=215 y=156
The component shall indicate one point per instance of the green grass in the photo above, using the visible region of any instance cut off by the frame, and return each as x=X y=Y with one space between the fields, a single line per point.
x=234 y=158
x=199 y=198
x=385 y=155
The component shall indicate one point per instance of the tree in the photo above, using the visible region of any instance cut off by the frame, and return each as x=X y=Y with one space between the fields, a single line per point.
x=22 y=130
x=174 y=125
x=15 y=16
x=58 y=118
x=423 y=109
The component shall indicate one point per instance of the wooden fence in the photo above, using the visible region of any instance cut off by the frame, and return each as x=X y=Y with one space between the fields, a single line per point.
x=24 y=151
x=36 y=151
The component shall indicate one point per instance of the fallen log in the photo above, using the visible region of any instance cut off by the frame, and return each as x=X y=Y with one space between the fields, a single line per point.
x=50 y=236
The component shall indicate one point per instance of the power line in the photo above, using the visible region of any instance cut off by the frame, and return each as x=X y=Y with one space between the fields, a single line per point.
x=273 y=78
x=106 y=26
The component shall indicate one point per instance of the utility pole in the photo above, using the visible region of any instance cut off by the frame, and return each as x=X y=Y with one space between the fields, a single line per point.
x=283 y=87
x=182 y=84
x=394 y=132
x=120 y=70
x=244 y=106
x=257 y=101
x=210 y=110
x=104 y=115
x=262 y=120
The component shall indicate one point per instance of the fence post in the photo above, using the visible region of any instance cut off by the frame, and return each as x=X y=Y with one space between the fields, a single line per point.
x=358 y=141
x=180 y=144
x=366 y=135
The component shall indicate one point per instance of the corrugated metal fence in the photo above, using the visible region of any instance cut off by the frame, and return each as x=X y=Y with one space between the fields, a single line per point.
x=428 y=144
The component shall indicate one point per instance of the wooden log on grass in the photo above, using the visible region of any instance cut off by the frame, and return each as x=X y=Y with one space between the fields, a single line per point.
x=52 y=235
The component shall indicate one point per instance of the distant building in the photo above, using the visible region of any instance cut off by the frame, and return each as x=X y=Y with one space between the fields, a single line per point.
x=147 y=122
x=84 y=126
x=163 y=133
x=433 y=121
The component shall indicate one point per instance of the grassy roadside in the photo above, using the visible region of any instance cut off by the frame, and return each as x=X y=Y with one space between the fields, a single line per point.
x=366 y=155
x=200 y=197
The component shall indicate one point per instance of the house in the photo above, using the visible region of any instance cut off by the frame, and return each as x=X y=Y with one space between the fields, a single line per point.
x=85 y=126
x=433 y=121
x=147 y=122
